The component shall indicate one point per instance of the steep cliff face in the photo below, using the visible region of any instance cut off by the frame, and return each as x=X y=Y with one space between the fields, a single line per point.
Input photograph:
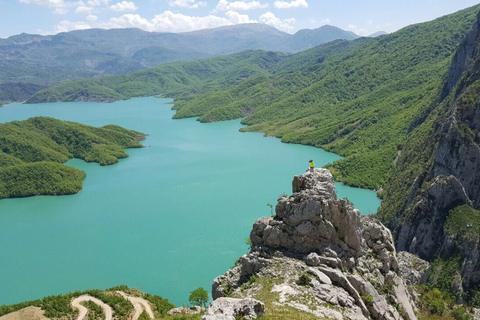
x=430 y=222
x=320 y=256
x=462 y=59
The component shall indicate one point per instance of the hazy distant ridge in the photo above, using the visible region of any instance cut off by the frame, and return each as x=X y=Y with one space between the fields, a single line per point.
x=49 y=60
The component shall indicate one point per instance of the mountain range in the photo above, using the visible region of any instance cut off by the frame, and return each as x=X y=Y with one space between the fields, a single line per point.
x=29 y=59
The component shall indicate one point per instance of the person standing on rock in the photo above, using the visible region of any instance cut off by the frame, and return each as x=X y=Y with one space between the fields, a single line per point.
x=311 y=165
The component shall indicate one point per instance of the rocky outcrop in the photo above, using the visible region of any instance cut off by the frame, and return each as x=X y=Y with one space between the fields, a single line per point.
x=232 y=309
x=412 y=269
x=319 y=255
x=183 y=310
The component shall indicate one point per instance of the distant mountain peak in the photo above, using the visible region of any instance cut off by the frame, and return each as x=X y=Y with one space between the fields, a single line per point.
x=252 y=27
x=377 y=34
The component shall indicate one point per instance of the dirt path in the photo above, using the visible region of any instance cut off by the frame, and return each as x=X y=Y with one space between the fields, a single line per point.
x=107 y=310
x=139 y=304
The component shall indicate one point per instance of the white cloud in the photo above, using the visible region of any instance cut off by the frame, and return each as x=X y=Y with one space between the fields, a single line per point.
x=96 y=3
x=326 y=21
x=83 y=10
x=191 y=4
x=237 y=18
x=285 y=25
x=130 y=21
x=60 y=10
x=290 y=4
x=91 y=17
x=65 y=26
x=124 y=6
x=59 y=6
x=167 y=22
x=225 y=5
x=46 y=3
x=357 y=30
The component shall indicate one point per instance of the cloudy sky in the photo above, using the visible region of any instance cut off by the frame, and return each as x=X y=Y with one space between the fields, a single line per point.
x=362 y=17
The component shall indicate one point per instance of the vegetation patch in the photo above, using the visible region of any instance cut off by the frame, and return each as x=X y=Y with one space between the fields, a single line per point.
x=439 y=305
x=463 y=221
x=303 y=280
x=443 y=273
x=59 y=306
x=32 y=152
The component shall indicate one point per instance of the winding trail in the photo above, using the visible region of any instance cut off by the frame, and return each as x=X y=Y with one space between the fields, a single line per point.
x=139 y=304
x=107 y=310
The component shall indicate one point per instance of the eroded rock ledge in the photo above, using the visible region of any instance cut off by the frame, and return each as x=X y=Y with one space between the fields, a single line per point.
x=319 y=255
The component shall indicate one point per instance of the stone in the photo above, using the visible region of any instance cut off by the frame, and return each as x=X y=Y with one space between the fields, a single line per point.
x=412 y=269
x=341 y=280
x=346 y=257
x=313 y=259
x=378 y=305
x=229 y=308
x=284 y=290
x=400 y=292
x=322 y=277
x=182 y=310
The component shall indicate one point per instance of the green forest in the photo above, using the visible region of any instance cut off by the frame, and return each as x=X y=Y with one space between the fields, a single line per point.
x=359 y=99
x=33 y=152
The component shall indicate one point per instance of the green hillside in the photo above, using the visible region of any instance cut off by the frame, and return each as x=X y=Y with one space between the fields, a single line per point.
x=33 y=152
x=359 y=99
x=171 y=78
x=359 y=104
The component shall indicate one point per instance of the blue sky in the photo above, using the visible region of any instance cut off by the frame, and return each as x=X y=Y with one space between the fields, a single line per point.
x=362 y=17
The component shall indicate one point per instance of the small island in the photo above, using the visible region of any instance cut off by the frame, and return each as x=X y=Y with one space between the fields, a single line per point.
x=32 y=153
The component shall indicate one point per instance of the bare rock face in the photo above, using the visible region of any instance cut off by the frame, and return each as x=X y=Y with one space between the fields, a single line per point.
x=452 y=177
x=319 y=255
x=466 y=52
x=412 y=269
x=422 y=233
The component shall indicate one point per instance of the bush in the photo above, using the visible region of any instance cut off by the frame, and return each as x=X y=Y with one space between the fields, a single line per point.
x=303 y=280
x=461 y=314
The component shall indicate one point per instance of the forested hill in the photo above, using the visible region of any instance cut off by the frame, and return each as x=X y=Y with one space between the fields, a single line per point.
x=432 y=200
x=27 y=60
x=33 y=152
x=359 y=99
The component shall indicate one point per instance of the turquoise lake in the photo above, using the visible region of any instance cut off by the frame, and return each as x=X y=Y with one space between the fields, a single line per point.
x=166 y=220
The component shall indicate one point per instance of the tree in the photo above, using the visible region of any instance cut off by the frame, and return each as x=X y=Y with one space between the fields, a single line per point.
x=199 y=297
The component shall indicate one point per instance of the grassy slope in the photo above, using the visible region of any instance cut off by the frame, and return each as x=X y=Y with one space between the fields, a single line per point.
x=32 y=153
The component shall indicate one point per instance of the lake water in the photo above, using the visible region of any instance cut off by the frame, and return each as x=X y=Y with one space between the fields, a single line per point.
x=166 y=220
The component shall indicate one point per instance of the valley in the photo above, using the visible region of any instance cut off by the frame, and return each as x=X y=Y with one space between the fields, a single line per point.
x=397 y=114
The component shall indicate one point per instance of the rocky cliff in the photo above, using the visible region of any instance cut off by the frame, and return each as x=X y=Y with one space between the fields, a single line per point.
x=439 y=218
x=319 y=256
